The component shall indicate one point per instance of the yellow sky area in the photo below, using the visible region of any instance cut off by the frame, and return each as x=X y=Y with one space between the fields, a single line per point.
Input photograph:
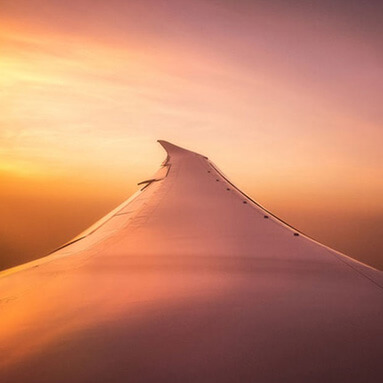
x=75 y=106
x=123 y=104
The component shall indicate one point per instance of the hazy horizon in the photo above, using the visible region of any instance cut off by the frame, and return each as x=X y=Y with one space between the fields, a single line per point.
x=52 y=212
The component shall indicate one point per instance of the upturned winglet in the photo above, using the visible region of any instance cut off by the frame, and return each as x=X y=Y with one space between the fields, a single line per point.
x=172 y=149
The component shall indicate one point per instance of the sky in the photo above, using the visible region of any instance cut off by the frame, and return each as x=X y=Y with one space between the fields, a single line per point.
x=285 y=96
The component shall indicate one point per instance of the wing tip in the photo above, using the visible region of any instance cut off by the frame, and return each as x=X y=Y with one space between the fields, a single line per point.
x=169 y=147
x=175 y=149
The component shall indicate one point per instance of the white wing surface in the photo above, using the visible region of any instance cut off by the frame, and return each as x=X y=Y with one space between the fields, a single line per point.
x=191 y=281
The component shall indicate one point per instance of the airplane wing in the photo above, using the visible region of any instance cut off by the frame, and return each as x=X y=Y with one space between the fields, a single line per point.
x=191 y=280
